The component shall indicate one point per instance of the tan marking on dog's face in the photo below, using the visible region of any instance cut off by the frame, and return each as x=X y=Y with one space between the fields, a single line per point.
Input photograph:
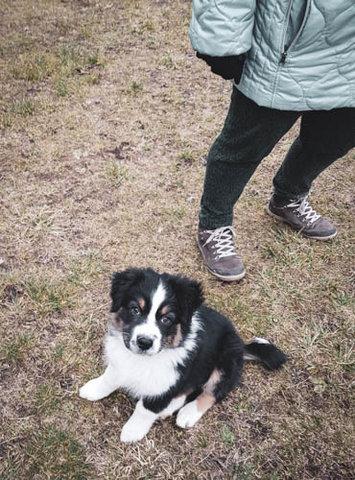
x=177 y=337
x=164 y=310
x=116 y=322
x=173 y=341
x=205 y=401
x=141 y=303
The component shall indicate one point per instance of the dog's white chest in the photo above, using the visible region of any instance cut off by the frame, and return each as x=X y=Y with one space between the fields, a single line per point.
x=143 y=375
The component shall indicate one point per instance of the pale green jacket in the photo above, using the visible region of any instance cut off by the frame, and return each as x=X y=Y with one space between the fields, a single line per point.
x=300 y=54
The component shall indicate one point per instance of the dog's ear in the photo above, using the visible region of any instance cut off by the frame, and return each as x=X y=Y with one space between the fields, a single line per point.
x=121 y=281
x=189 y=295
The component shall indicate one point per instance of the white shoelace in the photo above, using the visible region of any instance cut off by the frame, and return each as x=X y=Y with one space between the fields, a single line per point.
x=303 y=209
x=224 y=241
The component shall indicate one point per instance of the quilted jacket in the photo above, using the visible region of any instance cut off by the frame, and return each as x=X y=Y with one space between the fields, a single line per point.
x=300 y=54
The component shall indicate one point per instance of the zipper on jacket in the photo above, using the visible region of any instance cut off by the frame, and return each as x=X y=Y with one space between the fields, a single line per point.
x=286 y=49
x=287 y=21
x=283 y=56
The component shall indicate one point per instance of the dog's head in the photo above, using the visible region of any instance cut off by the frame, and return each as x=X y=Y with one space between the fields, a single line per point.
x=153 y=311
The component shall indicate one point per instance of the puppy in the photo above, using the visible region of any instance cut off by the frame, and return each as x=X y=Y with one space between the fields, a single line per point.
x=170 y=351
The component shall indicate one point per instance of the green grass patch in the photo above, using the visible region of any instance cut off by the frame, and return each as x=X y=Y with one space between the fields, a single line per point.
x=228 y=436
x=92 y=79
x=43 y=220
x=244 y=472
x=61 y=87
x=47 y=398
x=58 y=351
x=135 y=88
x=143 y=27
x=55 y=454
x=15 y=350
x=6 y=120
x=117 y=173
x=202 y=441
x=178 y=213
x=84 y=270
x=48 y=296
x=66 y=61
x=186 y=157
x=34 y=67
x=242 y=406
x=167 y=61
x=23 y=107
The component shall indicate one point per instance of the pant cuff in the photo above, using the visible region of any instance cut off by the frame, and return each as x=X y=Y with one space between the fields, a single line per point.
x=208 y=222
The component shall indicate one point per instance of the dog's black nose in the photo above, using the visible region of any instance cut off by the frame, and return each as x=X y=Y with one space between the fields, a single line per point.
x=144 y=343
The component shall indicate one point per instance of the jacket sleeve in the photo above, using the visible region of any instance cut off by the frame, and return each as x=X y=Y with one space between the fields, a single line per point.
x=220 y=28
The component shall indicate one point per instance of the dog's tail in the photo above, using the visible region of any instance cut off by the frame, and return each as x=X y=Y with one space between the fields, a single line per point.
x=261 y=350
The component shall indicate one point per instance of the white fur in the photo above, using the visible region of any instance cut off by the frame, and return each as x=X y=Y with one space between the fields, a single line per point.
x=100 y=387
x=150 y=328
x=138 y=424
x=249 y=357
x=188 y=415
x=260 y=340
x=174 y=405
x=143 y=375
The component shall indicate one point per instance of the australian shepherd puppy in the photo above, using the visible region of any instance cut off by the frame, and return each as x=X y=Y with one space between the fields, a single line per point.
x=170 y=351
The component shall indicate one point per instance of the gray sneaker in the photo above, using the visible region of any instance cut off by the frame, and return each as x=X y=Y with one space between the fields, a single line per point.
x=219 y=254
x=302 y=218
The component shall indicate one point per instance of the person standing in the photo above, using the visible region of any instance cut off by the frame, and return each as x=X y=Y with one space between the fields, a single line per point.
x=289 y=59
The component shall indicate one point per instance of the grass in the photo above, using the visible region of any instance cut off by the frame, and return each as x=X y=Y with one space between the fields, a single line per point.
x=33 y=68
x=46 y=296
x=246 y=472
x=117 y=173
x=135 y=87
x=63 y=62
x=106 y=116
x=23 y=107
x=15 y=350
x=228 y=436
x=46 y=398
x=186 y=157
x=61 y=87
x=167 y=61
x=51 y=453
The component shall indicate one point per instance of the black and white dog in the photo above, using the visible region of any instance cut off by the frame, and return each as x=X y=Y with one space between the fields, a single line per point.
x=170 y=351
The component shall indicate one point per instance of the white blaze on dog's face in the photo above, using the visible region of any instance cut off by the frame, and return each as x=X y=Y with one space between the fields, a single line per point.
x=153 y=311
x=146 y=337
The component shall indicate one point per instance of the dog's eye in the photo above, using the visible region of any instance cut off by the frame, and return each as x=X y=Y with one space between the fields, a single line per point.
x=135 y=310
x=166 y=321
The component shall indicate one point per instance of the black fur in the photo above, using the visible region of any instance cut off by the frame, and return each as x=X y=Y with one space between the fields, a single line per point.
x=186 y=295
x=266 y=353
x=218 y=346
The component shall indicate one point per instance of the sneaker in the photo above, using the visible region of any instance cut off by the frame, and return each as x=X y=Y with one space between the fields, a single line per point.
x=302 y=218
x=219 y=254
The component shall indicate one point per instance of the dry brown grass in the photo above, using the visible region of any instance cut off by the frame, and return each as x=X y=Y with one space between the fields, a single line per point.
x=106 y=119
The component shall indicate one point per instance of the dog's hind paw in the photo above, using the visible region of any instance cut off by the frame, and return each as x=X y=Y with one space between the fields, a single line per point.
x=188 y=415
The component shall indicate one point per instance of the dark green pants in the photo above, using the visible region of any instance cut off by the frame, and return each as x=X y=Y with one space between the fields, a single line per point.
x=250 y=133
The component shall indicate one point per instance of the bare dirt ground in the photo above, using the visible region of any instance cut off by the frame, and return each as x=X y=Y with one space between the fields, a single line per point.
x=106 y=117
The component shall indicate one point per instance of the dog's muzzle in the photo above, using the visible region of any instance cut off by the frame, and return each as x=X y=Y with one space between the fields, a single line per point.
x=144 y=343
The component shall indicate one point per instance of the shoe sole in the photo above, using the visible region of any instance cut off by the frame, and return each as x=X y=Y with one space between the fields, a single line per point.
x=229 y=278
x=311 y=237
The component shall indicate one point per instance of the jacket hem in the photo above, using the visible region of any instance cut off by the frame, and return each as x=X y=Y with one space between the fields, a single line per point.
x=266 y=100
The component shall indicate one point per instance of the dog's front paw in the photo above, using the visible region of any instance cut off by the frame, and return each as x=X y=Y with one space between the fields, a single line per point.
x=131 y=432
x=92 y=390
x=188 y=415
